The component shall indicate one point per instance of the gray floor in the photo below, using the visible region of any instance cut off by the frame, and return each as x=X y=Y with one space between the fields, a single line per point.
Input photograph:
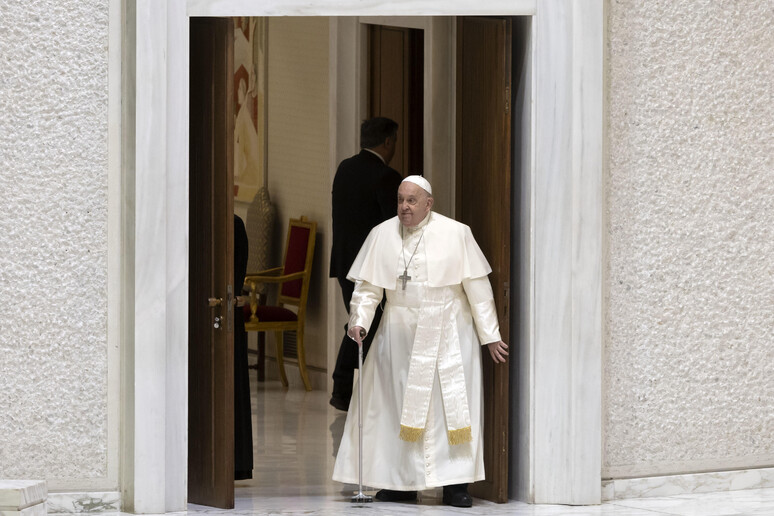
x=296 y=434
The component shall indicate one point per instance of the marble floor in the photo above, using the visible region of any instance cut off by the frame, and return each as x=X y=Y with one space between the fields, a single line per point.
x=296 y=434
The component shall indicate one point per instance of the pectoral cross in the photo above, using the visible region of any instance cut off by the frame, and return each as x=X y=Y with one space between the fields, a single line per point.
x=404 y=277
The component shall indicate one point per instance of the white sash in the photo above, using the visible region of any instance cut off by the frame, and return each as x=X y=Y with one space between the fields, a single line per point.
x=436 y=349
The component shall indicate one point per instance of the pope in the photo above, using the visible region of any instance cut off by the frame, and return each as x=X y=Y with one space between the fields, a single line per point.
x=422 y=381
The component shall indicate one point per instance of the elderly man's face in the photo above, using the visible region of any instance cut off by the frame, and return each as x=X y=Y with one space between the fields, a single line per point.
x=413 y=204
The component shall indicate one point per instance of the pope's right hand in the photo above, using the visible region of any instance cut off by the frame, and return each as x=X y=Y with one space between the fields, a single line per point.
x=357 y=333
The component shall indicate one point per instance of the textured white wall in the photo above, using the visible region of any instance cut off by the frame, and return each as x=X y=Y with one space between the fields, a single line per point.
x=298 y=175
x=53 y=239
x=689 y=359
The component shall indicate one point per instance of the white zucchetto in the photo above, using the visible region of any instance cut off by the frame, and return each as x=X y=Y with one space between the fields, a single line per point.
x=421 y=182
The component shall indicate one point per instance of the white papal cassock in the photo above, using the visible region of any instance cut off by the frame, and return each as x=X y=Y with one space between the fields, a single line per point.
x=445 y=392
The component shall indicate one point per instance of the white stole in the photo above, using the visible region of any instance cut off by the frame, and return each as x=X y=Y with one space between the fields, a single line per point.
x=436 y=348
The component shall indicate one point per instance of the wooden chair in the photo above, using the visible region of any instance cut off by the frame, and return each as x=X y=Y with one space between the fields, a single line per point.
x=293 y=279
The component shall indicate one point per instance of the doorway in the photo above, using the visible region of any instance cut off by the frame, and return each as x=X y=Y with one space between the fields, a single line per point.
x=379 y=100
x=564 y=98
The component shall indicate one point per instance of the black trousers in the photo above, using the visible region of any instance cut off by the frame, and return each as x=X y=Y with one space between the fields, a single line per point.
x=243 y=420
x=346 y=361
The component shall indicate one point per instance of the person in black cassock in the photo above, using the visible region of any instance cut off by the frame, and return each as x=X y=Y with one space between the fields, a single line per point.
x=243 y=426
x=364 y=194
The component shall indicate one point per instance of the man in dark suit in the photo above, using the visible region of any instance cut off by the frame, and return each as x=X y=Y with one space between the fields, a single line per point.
x=365 y=193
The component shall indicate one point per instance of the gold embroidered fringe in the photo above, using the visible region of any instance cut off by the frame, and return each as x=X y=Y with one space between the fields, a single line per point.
x=460 y=436
x=410 y=434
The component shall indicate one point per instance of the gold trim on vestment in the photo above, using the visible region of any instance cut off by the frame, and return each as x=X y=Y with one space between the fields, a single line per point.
x=410 y=434
x=460 y=436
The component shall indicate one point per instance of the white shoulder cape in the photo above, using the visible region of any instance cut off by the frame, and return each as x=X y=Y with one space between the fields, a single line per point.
x=452 y=254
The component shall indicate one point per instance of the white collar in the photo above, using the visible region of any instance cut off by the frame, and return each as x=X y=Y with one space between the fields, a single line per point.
x=422 y=224
x=376 y=154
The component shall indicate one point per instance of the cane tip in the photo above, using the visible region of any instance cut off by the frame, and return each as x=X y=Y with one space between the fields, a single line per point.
x=361 y=498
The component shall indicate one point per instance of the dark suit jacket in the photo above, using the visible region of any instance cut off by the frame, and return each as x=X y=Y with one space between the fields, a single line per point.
x=365 y=193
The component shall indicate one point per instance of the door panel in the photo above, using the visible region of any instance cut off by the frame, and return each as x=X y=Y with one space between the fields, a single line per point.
x=484 y=203
x=396 y=89
x=211 y=227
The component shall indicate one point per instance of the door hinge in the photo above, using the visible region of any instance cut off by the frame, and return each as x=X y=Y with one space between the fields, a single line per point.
x=507 y=99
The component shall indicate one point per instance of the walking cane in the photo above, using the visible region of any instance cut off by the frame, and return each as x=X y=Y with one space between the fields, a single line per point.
x=360 y=497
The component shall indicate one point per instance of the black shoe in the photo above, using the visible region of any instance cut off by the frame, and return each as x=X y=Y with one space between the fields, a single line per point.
x=457 y=496
x=243 y=475
x=388 y=495
x=340 y=403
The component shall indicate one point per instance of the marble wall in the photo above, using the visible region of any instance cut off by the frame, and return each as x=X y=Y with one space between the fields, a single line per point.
x=53 y=248
x=689 y=359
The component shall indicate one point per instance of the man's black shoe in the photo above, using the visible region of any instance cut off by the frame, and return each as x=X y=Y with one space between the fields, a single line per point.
x=388 y=495
x=340 y=403
x=457 y=496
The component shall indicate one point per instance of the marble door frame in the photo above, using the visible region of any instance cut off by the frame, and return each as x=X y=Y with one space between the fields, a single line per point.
x=558 y=433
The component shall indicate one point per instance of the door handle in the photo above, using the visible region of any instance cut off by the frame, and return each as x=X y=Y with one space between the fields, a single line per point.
x=214 y=301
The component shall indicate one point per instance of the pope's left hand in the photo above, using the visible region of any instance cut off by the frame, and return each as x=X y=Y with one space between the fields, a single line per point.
x=498 y=350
